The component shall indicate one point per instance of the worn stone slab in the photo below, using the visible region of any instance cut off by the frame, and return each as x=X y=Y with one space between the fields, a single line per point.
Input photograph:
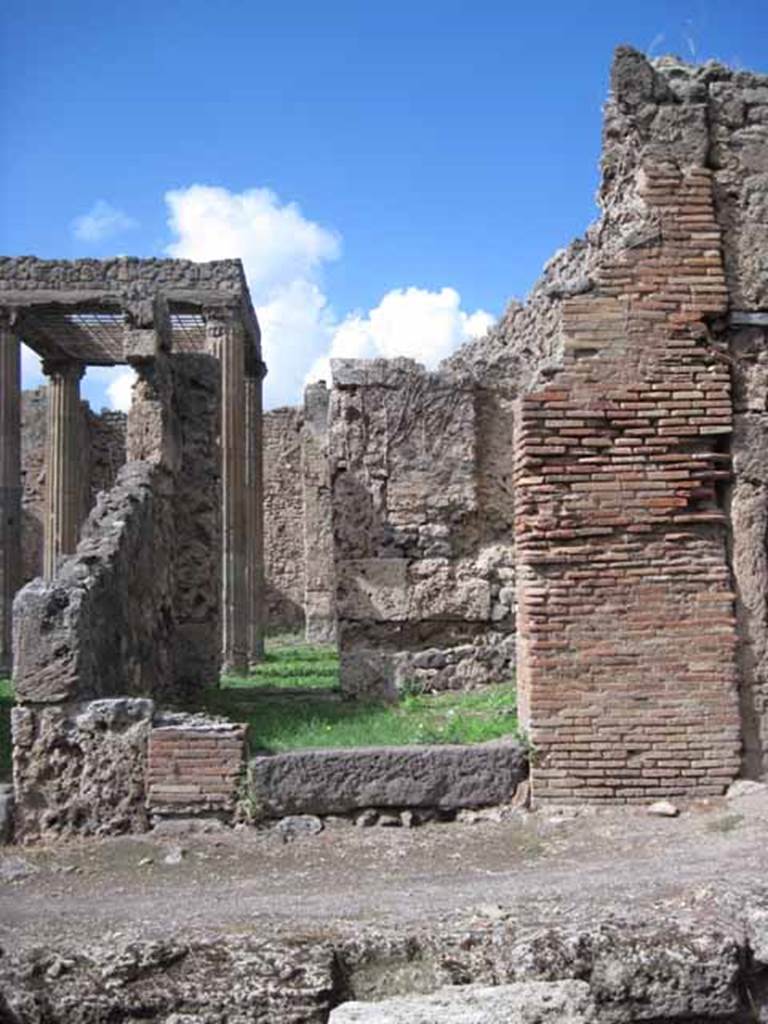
x=337 y=781
x=533 y=1002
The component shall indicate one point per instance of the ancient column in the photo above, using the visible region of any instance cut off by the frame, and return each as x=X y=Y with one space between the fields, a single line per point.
x=254 y=516
x=10 y=485
x=225 y=340
x=62 y=463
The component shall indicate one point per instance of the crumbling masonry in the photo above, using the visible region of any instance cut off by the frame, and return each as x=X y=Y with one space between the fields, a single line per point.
x=163 y=581
x=640 y=451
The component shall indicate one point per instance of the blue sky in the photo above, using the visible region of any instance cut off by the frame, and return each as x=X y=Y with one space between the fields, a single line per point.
x=392 y=173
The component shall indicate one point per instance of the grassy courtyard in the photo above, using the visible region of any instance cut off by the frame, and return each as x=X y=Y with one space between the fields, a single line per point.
x=321 y=719
x=291 y=701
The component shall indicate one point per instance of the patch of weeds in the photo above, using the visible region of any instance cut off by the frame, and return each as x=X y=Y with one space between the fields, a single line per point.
x=532 y=752
x=728 y=823
x=6 y=703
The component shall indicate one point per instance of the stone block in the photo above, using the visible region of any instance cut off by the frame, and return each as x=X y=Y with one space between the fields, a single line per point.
x=79 y=769
x=523 y=1002
x=373 y=588
x=367 y=672
x=342 y=781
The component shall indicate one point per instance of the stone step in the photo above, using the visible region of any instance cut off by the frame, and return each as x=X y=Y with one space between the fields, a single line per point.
x=530 y=1002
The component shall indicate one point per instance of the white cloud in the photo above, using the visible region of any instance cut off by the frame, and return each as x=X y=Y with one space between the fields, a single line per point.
x=110 y=385
x=423 y=325
x=284 y=254
x=102 y=221
x=120 y=389
x=31 y=368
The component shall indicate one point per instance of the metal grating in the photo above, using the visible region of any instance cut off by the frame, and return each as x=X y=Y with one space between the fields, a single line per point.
x=88 y=337
x=188 y=332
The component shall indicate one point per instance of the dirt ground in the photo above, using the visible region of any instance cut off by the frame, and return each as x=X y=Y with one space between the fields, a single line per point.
x=538 y=865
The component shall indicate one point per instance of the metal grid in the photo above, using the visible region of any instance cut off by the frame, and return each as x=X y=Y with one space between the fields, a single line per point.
x=88 y=337
x=188 y=332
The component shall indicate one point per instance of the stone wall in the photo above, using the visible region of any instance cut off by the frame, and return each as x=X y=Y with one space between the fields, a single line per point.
x=79 y=768
x=424 y=574
x=103 y=625
x=134 y=612
x=629 y=657
x=103 y=453
x=197 y=520
x=283 y=520
x=320 y=573
x=298 y=540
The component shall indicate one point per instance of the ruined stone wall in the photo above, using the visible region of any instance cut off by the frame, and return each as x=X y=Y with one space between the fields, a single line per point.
x=102 y=455
x=106 y=449
x=197 y=519
x=283 y=520
x=423 y=573
x=320 y=573
x=133 y=613
x=737 y=116
x=629 y=657
x=102 y=626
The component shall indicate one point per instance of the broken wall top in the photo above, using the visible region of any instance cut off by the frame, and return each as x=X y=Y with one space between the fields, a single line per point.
x=660 y=112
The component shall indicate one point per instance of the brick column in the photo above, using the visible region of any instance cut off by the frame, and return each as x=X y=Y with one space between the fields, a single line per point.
x=62 y=463
x=254 y=497
x=10 y=485
x=225 y=340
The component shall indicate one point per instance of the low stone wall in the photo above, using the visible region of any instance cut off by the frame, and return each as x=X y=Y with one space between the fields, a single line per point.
x=114 y=765
x=79 y=768
x=341 y=781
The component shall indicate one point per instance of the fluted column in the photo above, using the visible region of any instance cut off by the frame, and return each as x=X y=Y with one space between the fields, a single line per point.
x=62 y=463
x=254 y=516
x=225 y=338
x=10 y=486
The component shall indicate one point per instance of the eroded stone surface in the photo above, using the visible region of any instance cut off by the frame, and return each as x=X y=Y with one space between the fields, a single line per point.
x=424 y=561
x=521 y=1003
x=244 y=981
x=341 y=781
x=80 y=768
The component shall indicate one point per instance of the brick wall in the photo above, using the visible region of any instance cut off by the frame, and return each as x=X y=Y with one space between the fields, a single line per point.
x=194 y=767
x=626 y=622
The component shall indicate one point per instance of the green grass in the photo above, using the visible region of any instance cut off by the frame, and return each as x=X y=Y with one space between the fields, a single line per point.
x=6 y=703
x=290 y=663
x=290 y=722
